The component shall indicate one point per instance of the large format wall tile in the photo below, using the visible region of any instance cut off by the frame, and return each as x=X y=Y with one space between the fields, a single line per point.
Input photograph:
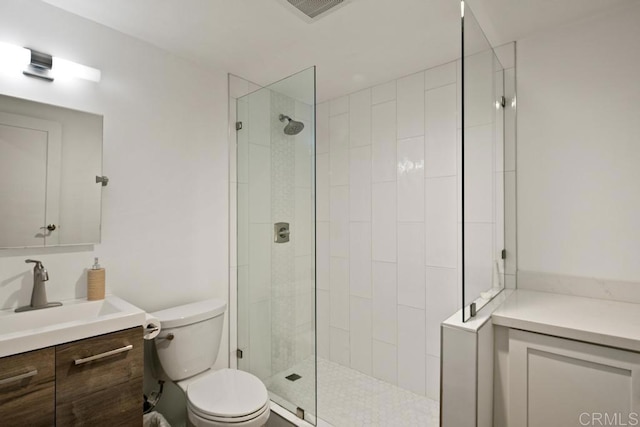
x=411 y=288
x=339 y=312
x=410 y=97
x=383 y=137
x=385 y=302
x=360 y=259
x=411 y=179
x=360 y=183
x=440 y=131
x=411 y=349
x=360 y=330
x=360 y=118
x=387 y=203
x=440 y=222
x=383 y=234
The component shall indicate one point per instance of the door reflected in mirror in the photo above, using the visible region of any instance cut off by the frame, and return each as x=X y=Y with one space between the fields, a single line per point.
x=49 y=160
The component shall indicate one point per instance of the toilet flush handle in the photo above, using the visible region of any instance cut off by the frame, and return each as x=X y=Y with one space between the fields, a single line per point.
x=168 y=337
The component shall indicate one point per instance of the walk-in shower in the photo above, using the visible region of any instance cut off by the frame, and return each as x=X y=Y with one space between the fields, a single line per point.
x=342 y=320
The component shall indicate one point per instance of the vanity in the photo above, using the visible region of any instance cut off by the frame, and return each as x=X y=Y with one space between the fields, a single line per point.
x=78 y=364
x=565 y=360
x=542 y=359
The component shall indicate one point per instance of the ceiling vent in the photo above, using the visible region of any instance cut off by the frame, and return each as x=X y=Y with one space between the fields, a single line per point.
x=314 y=8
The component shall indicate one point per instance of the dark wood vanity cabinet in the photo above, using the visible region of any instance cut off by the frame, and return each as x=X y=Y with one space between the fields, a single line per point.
x=99 y=380
x=92 y=382
x=27 y=389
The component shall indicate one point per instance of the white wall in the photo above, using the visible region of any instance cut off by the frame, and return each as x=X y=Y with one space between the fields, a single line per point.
x=387 y=251
x=578 y=148
x=164 y=224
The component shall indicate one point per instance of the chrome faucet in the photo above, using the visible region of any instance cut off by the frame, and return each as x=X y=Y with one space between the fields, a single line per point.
x=39 y=293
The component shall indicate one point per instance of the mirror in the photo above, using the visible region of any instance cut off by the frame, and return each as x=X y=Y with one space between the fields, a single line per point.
x=49 y=160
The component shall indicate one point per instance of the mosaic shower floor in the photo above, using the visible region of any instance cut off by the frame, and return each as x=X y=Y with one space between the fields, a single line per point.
x=348 y=398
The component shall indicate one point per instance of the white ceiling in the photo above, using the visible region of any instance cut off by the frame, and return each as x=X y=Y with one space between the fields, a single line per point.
x=504 y=21
x=363 y=43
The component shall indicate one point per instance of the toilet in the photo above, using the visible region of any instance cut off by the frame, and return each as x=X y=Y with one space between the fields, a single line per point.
x=187 y=348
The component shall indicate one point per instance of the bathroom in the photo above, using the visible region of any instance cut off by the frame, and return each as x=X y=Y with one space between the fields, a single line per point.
x=171 y=82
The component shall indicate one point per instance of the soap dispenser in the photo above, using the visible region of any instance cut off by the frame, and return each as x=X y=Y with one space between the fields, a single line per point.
x=95 y=282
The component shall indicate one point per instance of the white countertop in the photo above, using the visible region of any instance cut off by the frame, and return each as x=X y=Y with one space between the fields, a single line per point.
x=604 y=322
x=74 y=320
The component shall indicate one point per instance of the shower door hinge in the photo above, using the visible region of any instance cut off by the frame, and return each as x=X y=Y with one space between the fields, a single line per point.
x=238 y=125
x=504 y=254
x=300 y=413
x=472 y=309
x=239 y=353
x=102 y=180
x=503 y=101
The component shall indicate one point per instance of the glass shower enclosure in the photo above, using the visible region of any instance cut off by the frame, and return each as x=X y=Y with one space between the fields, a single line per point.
x=276 y=240
x=488 y=109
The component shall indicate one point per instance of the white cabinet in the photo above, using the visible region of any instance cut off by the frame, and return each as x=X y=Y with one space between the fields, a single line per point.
x=556 y=382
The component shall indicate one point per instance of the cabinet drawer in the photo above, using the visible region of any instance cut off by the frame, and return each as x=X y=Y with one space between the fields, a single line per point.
x=27 y=388
x=99 y=380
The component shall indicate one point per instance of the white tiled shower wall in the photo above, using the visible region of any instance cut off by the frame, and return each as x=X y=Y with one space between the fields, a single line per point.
x=387 y=233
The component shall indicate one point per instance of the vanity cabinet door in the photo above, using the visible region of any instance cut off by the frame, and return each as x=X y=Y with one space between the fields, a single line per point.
x=27 y=389
x=99 y=380
x=556 y=382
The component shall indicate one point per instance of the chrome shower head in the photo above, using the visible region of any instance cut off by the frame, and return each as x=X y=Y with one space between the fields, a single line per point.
x=293 y=127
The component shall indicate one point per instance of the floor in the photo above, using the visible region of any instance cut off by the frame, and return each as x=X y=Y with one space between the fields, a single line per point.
x=350 y=398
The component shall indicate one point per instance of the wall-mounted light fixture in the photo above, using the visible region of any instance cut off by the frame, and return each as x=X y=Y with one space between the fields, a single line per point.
x=41 y=65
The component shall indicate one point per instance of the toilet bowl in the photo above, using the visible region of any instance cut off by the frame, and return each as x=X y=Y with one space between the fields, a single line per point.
x=226 y=397
x=187 y=347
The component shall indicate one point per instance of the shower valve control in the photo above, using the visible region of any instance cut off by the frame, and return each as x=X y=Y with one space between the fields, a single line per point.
x=281 y=232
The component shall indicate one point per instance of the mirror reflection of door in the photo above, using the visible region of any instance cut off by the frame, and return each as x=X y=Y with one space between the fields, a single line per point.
x=29 y=173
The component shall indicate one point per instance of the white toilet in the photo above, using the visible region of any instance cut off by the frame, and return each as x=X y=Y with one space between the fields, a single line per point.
x=187 y=348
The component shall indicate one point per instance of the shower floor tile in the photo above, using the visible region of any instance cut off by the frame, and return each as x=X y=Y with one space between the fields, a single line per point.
x=347 y=397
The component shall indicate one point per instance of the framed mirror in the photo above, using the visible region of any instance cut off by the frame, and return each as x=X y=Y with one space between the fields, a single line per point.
x=50 y=159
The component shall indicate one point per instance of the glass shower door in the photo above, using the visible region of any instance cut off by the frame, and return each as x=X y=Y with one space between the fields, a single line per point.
x=276 y=240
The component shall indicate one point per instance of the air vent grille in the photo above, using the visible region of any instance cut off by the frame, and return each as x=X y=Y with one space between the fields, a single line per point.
x=313 y=8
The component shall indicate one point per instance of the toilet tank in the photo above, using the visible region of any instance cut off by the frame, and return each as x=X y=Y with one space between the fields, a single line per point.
x=197 y=331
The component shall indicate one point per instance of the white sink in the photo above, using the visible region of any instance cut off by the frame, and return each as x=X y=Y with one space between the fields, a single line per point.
x=74 y=320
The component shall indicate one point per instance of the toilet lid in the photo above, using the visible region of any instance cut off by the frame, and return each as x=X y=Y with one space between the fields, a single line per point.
x=227 y=393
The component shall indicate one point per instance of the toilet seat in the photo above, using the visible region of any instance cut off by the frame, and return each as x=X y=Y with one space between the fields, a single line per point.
x=230 y=420
x=197 y=421
x=228 y=396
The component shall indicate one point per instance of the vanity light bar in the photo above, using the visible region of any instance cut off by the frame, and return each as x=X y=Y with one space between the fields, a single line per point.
x=41 y=65
x=66 y=68
x=14 y=58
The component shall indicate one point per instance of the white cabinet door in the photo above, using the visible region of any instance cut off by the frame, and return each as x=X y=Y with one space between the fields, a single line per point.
x=556 y=382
